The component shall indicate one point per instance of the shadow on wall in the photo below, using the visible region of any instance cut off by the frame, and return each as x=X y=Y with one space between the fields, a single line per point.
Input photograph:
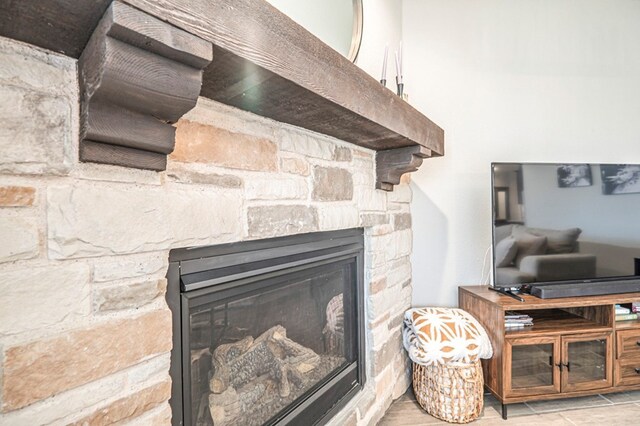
x=431 y=224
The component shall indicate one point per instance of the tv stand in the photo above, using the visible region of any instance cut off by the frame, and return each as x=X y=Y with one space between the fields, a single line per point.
x=506 y=292
x=575 y=347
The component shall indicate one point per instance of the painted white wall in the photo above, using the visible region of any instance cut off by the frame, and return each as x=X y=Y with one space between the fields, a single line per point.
x=382 y=24
x=527 y=80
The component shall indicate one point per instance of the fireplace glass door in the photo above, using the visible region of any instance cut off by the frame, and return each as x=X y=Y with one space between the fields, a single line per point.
x=257 y=349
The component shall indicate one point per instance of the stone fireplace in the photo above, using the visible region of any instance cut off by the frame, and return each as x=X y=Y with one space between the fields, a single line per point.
x=85 y=330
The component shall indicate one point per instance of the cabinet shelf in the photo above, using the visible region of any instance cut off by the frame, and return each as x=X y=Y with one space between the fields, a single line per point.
x=555 y=322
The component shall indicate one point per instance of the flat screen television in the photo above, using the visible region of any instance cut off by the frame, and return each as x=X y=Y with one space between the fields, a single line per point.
x=565 y=223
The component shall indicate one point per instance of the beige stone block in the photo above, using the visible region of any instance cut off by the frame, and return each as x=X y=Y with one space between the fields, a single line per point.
x=366 y=402
x=384 y=319
x=38 y=297
x=234 y=119
x=275 y=188
x=130 y=407
x=36 y=132
x=17 y=196
x=269 y=221
x=180 y=175
x=19 y=237
x=399 y=275
x=379 y=304
x=402 y=384
x=154 y=369
x=384 y=382
x=63 y=408
x=379 y=335
x=201 y=143
x=374 y=259
x=378 y=285
x=396 y=321
x=342 y=154
x=104 y=220
x=35 y=69
x=368 y=220
x=309 y=146
x=383 y=229
x=37 y=370
x=332 y=184
x=294 y=165
x=160 y=416
x=338 y=217
x=127 y=296
x=119 y=267
x=384 y=355
x=401 y=221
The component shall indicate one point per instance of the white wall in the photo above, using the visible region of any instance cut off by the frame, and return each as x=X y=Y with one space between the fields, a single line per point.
x=527 y=80
x=382 y=24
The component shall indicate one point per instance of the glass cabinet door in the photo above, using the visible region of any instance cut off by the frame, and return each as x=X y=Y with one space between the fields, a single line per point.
x=587 y=362
x=532 y=366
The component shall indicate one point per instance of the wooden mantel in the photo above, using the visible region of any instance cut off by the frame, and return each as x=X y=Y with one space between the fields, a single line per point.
x=262 y=62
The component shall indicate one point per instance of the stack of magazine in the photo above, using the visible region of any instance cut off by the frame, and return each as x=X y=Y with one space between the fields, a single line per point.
x=513 y=320
x=625 y=314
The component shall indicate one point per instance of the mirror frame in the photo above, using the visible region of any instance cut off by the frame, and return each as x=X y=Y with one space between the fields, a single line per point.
x=356 y=37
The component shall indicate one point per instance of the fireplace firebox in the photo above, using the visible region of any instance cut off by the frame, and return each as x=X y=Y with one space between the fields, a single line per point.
x=267 y=332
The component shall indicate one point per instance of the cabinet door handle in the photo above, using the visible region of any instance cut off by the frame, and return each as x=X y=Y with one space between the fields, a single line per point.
x=638 y=343
x=568 y=365
x=637 y=370
x=562 y=365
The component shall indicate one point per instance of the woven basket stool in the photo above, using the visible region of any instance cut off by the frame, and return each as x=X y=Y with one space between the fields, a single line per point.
x=452 y=392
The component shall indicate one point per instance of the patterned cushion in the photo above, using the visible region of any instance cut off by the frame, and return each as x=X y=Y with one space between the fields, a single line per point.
x=442 y=335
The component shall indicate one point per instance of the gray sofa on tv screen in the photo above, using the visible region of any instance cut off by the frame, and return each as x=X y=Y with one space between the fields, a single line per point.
x=526 y=255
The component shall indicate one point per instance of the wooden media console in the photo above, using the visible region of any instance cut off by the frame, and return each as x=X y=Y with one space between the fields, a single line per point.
x=575 y=347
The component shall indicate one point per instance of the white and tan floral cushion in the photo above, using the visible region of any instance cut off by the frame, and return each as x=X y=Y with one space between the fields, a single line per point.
x=442 y=335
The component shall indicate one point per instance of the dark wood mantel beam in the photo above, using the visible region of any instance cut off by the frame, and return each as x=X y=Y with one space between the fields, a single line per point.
x=291 y=76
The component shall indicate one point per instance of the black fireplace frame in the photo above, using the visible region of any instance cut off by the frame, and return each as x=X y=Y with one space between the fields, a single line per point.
x=227 y=267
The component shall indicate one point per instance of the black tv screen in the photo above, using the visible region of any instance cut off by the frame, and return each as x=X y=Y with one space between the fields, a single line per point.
x=565 y=222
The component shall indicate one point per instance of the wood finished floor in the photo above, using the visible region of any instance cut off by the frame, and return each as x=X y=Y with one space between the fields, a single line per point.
x=598 y=410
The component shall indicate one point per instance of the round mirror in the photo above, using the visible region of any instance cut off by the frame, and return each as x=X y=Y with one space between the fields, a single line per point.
x=338 y=23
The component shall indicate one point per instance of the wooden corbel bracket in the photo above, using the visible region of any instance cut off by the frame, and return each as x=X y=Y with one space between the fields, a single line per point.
x=391 y=164
x=138 y=75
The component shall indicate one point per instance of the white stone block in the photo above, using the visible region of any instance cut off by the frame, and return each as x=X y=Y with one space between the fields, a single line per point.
x=19 y=237
x=275 y=188
x=401 y=194
x=368 y=198
x=119 y=267
x=306 y=145
x=337 y=217
x=37 y=297
x=39 y=93
x=399 y=244
x=36 y=132
x=399 y=275
x=104 y=220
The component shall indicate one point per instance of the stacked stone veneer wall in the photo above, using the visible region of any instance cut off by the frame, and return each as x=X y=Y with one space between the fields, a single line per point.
x=85 y=333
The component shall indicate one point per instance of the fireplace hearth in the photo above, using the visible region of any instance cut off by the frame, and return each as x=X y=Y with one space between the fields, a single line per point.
x=267 y=332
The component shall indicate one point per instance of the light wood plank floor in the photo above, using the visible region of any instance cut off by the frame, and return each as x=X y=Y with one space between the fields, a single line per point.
x=619 y=409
